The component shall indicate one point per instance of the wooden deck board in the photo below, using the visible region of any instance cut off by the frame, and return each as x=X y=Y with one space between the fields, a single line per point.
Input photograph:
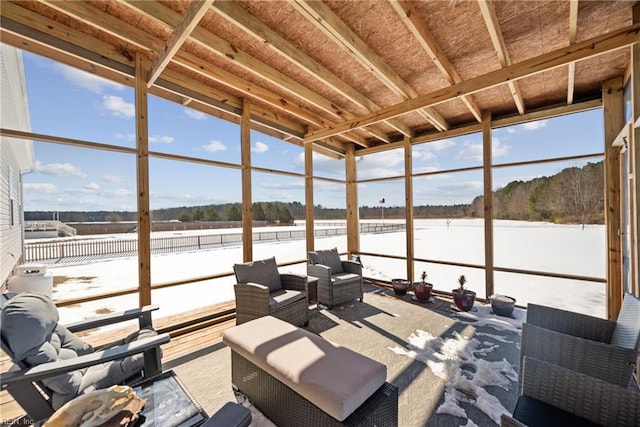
x=183 y=342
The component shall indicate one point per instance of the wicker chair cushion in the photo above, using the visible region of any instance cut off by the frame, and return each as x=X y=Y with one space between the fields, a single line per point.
x=626 y=334
x=330 y=258
x=533 y=412
x=284 y=297
x=342 y=278
x=335 y=379
x=264 y=272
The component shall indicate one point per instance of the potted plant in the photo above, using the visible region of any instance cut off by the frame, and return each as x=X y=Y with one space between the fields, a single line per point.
x=502 y=305
x=400 y=286
x=463 y=298
x=422 y=290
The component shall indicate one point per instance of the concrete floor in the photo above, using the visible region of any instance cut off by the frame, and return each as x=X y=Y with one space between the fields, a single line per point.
x=372 y=328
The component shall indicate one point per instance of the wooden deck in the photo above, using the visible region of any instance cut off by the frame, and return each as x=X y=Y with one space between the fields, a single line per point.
x=187 y=336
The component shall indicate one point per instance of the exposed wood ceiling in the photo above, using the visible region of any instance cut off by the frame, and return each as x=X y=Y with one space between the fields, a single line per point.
x=339 y=72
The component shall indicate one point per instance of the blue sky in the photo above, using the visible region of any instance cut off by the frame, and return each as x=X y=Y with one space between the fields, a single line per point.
x=67 y=102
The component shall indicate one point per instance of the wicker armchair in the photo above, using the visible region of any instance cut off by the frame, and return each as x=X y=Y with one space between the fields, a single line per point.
x=338 y=281
x=261 y=290
x=555 y=396
x=596 y=347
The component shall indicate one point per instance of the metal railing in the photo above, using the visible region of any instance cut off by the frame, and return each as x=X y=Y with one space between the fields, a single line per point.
x=125 y=246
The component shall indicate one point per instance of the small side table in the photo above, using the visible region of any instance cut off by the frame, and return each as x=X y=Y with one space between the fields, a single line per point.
x=312 y=287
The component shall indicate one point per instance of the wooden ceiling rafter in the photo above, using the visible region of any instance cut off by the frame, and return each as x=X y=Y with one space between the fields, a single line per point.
x=332 y=26
x=274 y=41
x=88 y=15
x=491 y=21
x=180 y=34
x=53 y=40
x=616 y=39
x=410 y=17
x=224 y=49
x=573 y=37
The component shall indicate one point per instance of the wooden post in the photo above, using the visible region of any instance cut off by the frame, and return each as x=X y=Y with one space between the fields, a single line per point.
x=353 y=222
x=308 y=192
x=488 y=202
x=142 y=173
x=408 y=203
x=247 y=208
x=613 y=110
x=634 y=167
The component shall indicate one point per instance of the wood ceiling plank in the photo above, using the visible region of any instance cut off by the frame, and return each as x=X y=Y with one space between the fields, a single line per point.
x=139 y=38
x=410 y=17
x=331 y=25
x=604 y=43
x=274 y=41
x=225 y=49
x=573 y=34
x=181 y=33
x=491 y=20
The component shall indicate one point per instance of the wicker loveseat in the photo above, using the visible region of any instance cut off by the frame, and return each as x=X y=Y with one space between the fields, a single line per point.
x=338 y=281
x=261 y=291
x=600 y=348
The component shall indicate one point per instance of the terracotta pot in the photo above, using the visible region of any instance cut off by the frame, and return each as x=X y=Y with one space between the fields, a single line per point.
x=422 y=291
x=400 y=286
x=464 y=299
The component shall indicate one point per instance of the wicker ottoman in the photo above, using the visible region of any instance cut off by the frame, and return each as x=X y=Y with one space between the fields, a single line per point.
x=298 y=378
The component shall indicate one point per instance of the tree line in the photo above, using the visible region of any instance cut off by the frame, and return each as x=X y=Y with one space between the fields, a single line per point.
x=575 y=195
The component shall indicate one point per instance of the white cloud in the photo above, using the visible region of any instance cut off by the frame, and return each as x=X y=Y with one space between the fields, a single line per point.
x=260 y=147
x=214 y=146
x=112 y=178
x=118 y=107
x=126 y=137
x=40 y=187
x=86 y=80
x=322 y=163
x=283 y=185
x=92 y=186
x=120 y=192
x=163 y=139
x=473 y=151
x=59 y=169
x=195 y=115
x=538 y=124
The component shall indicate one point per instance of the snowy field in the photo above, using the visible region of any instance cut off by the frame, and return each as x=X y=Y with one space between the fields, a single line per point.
x=568 y=249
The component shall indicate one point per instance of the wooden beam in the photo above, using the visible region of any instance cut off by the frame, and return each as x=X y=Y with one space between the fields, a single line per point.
x=634 y=166
x=308 y=197
x=617 y=39
x=488 y=203
x=573 y=34
x=613 y=110
x=408 y=203
x=491 y=21
x=410 y=17
x=137 y=37
x=142 y=174
x=353 y=223
x=188 y=23
x=226 y=50
x=247 y=199
x=331 y=25
x=274 y=41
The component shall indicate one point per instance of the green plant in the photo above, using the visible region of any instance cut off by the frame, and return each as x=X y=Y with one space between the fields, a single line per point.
x=462 y=280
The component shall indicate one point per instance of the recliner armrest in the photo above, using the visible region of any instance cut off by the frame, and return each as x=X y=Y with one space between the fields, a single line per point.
x=142 y=313
x=51 y=369
x=352 y=267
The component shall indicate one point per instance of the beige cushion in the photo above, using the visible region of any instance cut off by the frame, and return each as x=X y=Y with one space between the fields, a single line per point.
x=264 y=272
x=342 y=278
x=284 y=297
x=336 y=379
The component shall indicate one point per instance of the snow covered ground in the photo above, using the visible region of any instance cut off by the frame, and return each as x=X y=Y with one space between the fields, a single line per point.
x=532 y=246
